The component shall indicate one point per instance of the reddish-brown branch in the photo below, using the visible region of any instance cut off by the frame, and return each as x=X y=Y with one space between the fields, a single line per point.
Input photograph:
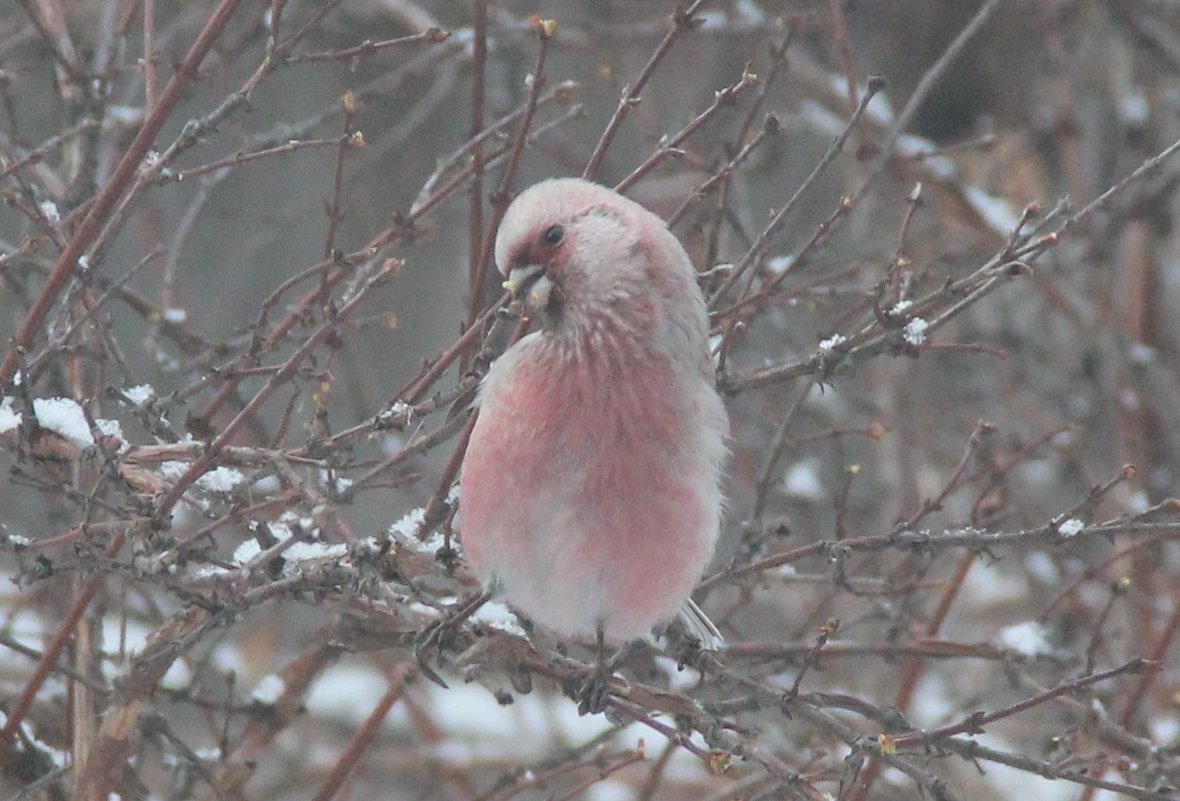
x=727 y=96
x=684 y=19
x=207 y=457
x=914 y=666
x=1157 y=658
x=428 y=36
x=16 y=714
x=364 y=735
x=476 y=270
x=120 y=179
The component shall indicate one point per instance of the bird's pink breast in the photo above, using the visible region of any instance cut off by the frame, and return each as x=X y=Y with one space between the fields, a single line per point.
x=589 y=492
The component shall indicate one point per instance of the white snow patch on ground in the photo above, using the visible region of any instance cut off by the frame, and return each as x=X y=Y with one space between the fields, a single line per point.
x=934 y=703
x=996 y=212
x=1165 y=731
x=990 y=586
x=1027 y=639
x=802 y=481
x=1041 y=566
x=1010 y=782
x=269 y=689
x=347 y=693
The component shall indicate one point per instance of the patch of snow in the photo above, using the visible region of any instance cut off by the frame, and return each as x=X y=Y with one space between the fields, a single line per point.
x=269 y=690
x=227 y=657
x=1027 y=639
x=1140 y=353
x=823 y=120
x=171 y=471
x=996 y=212
x=499 y=616
x=1138 y=502
x=347 y=693
x=1042 y=567
x=63 y=416
x=1009 y=782
x=802 y=481
x=407 y=527
x=305 y=551
x=1134 y=108
x=1038 y=472
x=780 y=264
x=8 y=418
x=915 y=331
x=26 y=628
x=49 y=211
x=934 y=702
x=110 y=428
x=1165 y=732
x=178 y=676
x=221 y=479
x=140 y=394
x=246 y=551
x=678 y=679
x=610 y=790
x=989 y=585
x=131 y=635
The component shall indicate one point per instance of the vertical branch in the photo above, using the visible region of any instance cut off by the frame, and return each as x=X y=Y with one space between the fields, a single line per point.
x=545 y=29
x=1156 y=657
x=476 y=266
x=149 y=56
x=840 y=34
x=47 y=17
x=348 y=102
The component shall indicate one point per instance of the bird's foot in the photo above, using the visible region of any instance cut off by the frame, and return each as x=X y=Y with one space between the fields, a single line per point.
x=594 y=694
x=428 y=646
x=431 y=640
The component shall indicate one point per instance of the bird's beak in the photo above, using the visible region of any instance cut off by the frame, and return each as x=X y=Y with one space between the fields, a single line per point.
x=531 y=285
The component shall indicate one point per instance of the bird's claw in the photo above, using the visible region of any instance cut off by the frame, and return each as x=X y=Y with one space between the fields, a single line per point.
x=594 y=693
x=433 y=637
x=428 y=643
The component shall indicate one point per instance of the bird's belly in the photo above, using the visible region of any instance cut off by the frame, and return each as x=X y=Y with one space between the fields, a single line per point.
x=589 y=510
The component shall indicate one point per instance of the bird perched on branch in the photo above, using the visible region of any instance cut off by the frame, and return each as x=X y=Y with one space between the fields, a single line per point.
x=590 y=493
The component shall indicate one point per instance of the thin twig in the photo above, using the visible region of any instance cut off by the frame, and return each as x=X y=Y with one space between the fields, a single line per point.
x=120 y=179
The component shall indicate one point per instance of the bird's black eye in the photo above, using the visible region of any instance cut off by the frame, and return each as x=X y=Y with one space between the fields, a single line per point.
x=553 y=235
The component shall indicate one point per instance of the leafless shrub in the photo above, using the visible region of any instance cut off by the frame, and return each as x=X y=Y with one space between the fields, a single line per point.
x=246 y=272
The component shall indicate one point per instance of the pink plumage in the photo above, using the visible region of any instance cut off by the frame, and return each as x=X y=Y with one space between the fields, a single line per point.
x=590 y=494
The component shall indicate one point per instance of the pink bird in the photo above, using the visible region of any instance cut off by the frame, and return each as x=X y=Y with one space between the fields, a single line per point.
x=590 y=495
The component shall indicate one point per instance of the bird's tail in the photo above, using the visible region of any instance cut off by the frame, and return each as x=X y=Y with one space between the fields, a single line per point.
x=697 y=624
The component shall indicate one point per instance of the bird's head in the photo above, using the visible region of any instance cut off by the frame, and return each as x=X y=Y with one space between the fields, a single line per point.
x=577 y=252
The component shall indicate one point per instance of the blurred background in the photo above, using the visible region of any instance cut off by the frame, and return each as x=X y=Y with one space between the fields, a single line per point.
x=950 y=360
